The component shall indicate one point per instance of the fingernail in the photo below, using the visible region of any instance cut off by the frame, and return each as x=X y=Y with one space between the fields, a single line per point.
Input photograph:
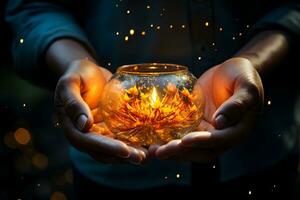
x=81 y=121
x=221 y=121
x=135 y=162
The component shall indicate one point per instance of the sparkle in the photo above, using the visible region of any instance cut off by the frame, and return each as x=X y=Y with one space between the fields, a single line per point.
x=233 y=38
x=158 y=27
x=161 y=14
x=213 y=44
x=24 y=105
x=21 y=40
x=177 y=175
x=126 y=38
x=128 y=11
x=199 y=58
x=117 y=33
x=148 y=7
x=240 y=34
x=117 y=5
x=131 y=32
x=220 y=29
x=247 y=26
x=109 y=64
x=166 y=177
x=56 y=124
x=38 y=185
x=269 y=102
x=182 y=26
x=171 y=26
x=151 y=25
x=214 y=166
x=143 y=33
x=249 y=192
x=206 y=24
x=274 y=186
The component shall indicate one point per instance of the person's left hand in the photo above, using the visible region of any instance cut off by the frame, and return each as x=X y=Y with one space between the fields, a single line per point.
x=234 y=97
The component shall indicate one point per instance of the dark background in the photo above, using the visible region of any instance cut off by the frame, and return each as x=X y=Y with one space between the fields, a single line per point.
x=40 y=169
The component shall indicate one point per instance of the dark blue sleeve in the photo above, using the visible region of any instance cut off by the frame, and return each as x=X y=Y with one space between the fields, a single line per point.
x=286 y=18
x=35 y=25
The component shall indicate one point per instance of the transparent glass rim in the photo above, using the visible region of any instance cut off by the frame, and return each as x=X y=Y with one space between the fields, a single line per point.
x=152 y=69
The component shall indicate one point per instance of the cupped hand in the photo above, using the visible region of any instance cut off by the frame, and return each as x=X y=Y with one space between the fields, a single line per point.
x=234 y=97
x=77 y=94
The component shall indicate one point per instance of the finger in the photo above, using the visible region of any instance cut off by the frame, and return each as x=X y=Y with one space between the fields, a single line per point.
x=152 y=149
x=97 y=115
x=231 y=111
x=221 y=140
x=93 y=142
x=205 y=126
x=168 y=150
x=67 y=94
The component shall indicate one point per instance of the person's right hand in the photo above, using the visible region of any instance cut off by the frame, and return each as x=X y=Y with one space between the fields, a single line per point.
x=77 y=94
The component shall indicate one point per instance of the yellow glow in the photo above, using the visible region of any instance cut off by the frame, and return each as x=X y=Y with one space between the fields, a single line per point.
x=153 y=99
x=22 y=136
x=171 y=26
x=40 y=161
x=58 y=196
x=143 y=33
x=206 y=24
x=126 y=38
x=158 y=27
x=131 y=32
x=182 y=26
x=269 y=102
x=177 y=175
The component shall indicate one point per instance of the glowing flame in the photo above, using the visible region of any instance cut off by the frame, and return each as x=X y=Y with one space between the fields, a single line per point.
x=142 y=117
x=154 y=99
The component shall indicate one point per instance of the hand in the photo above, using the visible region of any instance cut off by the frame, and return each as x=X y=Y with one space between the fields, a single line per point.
x=234 y=96
x=76 y=99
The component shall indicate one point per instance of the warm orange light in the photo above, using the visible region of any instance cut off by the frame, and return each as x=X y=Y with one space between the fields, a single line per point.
x=22 y=136
x=40 y=161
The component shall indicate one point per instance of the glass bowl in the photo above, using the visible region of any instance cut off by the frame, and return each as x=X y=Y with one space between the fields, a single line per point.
x=152 y=103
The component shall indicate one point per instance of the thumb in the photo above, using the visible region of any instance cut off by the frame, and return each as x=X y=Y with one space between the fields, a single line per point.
x=68 y=95
x=232 y=110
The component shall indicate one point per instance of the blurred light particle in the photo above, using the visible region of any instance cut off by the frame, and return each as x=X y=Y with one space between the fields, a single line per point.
x=247 y=26
x=214 y=166
x=40 y=161
x=22 y=136
x=69 y=176
x=240 y=34
x=213 y=44
x=109 y=64
x=233 y=38
x=171 y=26
x=199 y=58
x=165 y=177
x=221 y=29
x=10 y=141
x=128 y=12
x=143 y=33
x=24 y=105
x=126 y=38
x=21 y=40
x=182 y=26
x=250 y=192
x=148 y=7
x=58 y=196
x=269 y=102
x=131 y=31
x=177 y=175
x=206 y=24
x=151 y=25
x=117 y=5
x=117 y=33
x=158 y=27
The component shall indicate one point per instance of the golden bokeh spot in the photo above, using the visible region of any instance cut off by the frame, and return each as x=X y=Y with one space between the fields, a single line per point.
x=40 y=161
x=58 y=196
x=143 y=33
x=69 y=176
x=22 y=136
x=206 y=24
x=126 y=38
x=131 y=31
x=9 y=140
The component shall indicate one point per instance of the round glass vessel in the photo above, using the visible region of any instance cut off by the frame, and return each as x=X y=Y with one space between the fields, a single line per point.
x=152 y=103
